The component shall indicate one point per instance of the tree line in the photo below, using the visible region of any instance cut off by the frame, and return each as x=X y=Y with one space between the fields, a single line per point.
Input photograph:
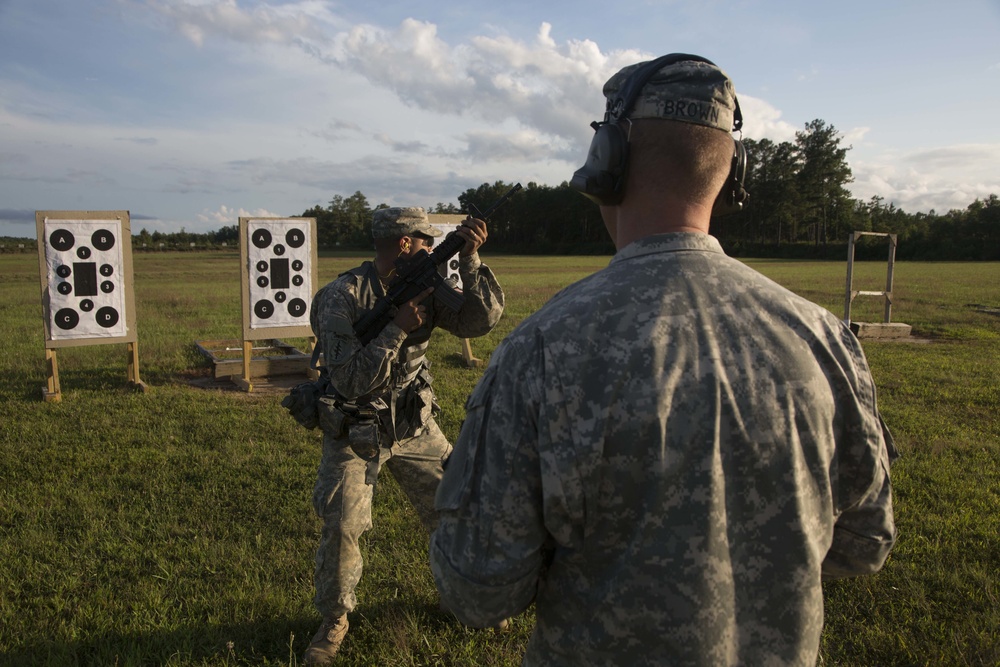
x=799 y=207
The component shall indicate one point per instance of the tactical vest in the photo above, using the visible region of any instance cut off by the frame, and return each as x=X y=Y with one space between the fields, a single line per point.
x=409 y=390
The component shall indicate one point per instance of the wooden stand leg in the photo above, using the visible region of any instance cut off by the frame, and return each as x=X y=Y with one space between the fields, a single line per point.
x=51 y=392
x=470 y=360
x=244 y=382
x=132 y=367
x=312 y=373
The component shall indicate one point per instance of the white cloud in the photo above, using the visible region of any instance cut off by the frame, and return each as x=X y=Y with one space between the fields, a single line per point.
x=941 y=179
x=551 y=88
x=966 y=157
x=554 y=88
x=283 y=24
x=226 y=216
x=336 y=130
x=854 y=136
x=763 y=121
x=521 y=146
x=402 y=146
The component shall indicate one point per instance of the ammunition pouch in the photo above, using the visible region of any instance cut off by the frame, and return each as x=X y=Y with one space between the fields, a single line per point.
x=315 y=404
x=363 y=430
x=303 y=402
x=415 y=406
x=331 y=419
x=360 y=424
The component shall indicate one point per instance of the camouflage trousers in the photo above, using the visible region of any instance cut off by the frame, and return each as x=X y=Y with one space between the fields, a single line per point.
x=343 y=499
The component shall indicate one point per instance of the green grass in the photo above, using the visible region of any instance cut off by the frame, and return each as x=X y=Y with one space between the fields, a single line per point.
x=175 y=527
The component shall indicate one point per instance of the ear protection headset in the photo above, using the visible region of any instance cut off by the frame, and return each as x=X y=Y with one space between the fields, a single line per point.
x=602 y=177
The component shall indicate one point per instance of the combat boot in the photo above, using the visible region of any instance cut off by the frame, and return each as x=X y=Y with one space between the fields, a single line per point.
x=326 y=642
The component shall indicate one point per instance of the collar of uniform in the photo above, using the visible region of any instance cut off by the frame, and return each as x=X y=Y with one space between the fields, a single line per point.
x=367 y=271
x=672 y=242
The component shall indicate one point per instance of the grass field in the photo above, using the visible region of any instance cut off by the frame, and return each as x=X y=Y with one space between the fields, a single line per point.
x=175 y=527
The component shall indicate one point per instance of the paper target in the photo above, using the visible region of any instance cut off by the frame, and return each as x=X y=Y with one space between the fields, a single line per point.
x=85 y=278
x=279 y=271
x=450 y=268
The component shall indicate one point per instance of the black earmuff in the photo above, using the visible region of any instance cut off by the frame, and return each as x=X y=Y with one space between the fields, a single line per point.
x=733 y=195
x=602 y=177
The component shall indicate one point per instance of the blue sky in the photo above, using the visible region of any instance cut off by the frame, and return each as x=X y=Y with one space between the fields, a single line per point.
x=190 y=113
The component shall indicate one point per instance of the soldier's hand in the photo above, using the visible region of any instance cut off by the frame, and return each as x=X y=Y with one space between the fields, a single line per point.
x=473 y=230
x=412 y=314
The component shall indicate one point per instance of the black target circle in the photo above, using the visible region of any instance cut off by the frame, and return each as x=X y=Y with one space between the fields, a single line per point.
x=83 y=252
x=107 y=287
x=262 y=266
x=263 y=282
x=64 y=271
x=295 y=238
x=297 y=265
x=261 y=238
x=67 y=318
x=62 y=240
x=279 y=249
x=296 y=307
x=64 y=288
x=263 y=309
x=103 y=239
x=86 y=305
x=107 y=270
x=297 y=281
x=107 y=317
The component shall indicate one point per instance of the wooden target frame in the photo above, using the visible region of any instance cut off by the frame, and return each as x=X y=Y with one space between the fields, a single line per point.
x=271 y=266
x=85 y=274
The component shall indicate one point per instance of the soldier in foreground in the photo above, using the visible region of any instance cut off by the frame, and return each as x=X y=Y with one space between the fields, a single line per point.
x=672 y=454
x=381 y=407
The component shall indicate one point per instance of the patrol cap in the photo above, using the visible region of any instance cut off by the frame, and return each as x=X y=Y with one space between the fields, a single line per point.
x=389 y=223
x=689 y=91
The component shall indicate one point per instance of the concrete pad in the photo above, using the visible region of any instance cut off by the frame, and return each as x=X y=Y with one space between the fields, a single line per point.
x=881 y=331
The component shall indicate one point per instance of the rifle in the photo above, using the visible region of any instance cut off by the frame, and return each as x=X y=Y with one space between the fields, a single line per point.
x=419 y=272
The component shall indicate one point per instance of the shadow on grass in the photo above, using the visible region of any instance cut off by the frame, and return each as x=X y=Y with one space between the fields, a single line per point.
x=267 y=641
x=456 y=361
x=19 y=386
x=271 y=641
x=16 y=386
x=988 y=310
x=420 y=632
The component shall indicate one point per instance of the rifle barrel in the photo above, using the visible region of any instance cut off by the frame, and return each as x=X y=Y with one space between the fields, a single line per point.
x=498 y=203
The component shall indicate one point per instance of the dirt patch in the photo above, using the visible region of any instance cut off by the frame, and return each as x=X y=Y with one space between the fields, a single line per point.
x=279 y=384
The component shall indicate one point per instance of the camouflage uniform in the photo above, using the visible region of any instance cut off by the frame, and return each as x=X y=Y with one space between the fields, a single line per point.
x=667 y=458
x=389 y=371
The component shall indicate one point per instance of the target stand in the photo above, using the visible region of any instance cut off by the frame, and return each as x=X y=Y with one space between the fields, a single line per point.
x=85 y=270
x=278 y=259
x=878 y=330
